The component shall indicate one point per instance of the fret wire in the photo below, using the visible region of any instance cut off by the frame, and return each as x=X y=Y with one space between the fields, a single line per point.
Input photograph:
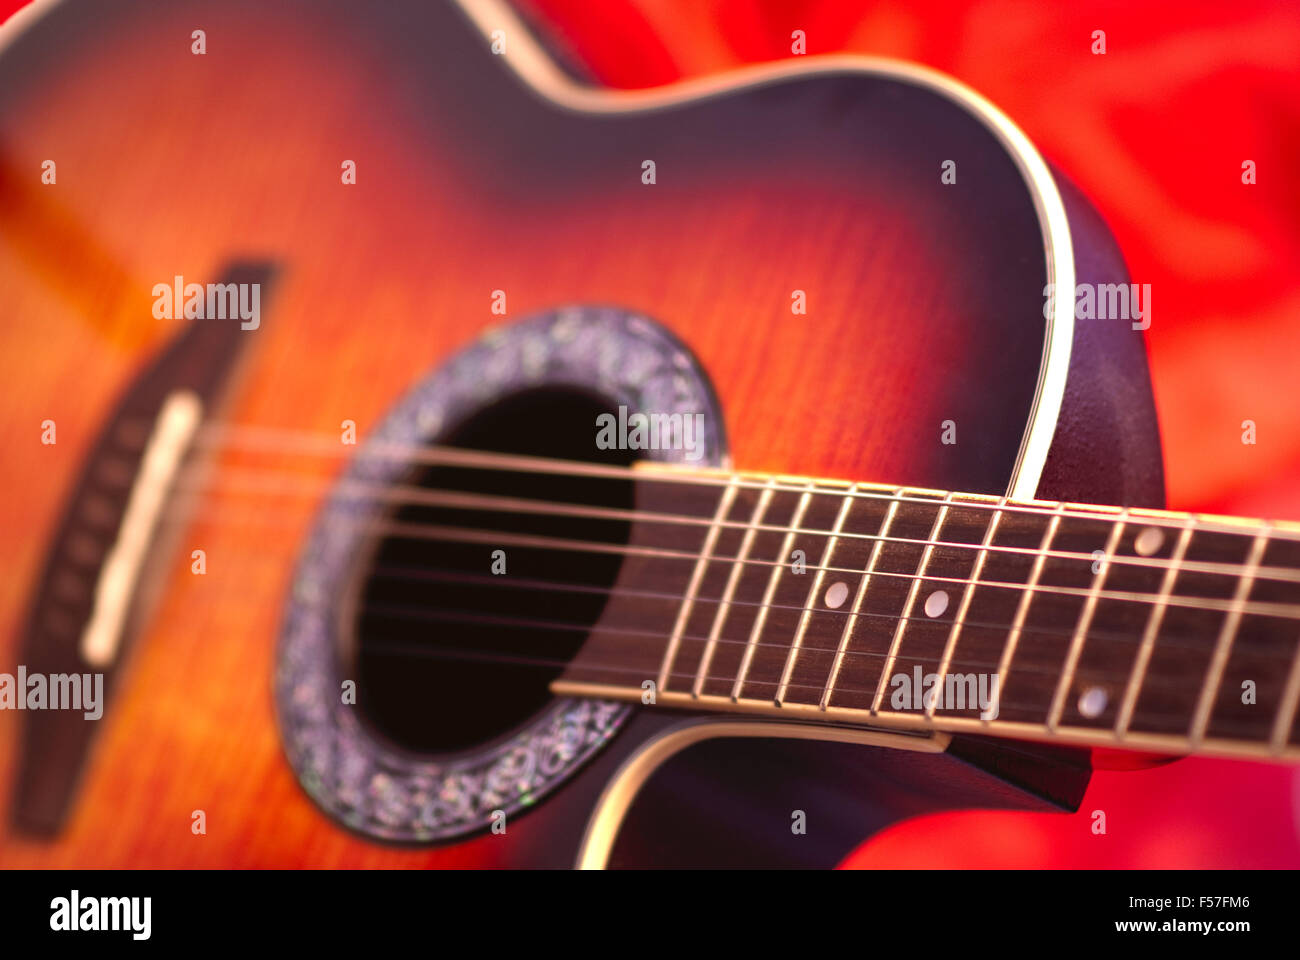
x=733 y=578
x=1287 y=708
x=1147 y=645
x=828 y=690
x=751 y=647
x=693 y=585
x=1022 y=607
x=813 y=592
x=912 y=593
x=1223 y=646
x=1077 y=639
x=967 y=596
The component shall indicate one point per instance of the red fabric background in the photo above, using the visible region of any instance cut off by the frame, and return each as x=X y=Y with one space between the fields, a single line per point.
x=1155 y=132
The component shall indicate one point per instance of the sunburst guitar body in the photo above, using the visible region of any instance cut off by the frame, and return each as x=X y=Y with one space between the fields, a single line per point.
x=417 y=444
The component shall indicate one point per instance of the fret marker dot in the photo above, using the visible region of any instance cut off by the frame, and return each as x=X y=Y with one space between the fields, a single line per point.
x=836 y=594
x=1148 y=541
x=1092 y=702
x=936 y=603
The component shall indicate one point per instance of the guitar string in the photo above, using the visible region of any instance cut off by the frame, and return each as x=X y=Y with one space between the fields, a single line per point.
x=510 y=505
x=415 y=612
x=426 y=531
x=1152 y=680
x=457 y=655
x=278 y=440
x=383 y=644
x=1149 y=681
x=1198 y=645
x=276 y=482
x=442 y=575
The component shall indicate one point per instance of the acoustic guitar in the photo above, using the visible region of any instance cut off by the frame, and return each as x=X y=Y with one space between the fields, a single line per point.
x=418 y=456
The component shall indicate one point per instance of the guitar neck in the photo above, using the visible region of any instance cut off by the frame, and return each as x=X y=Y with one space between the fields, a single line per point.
x=918 y=609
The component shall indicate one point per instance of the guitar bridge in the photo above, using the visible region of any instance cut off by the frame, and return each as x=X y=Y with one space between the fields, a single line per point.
x=87 y=603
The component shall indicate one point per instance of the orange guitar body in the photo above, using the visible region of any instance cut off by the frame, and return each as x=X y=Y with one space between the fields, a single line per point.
x=173 y=163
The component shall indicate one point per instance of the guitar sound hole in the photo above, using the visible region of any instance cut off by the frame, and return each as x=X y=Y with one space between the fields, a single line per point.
x=450 y=653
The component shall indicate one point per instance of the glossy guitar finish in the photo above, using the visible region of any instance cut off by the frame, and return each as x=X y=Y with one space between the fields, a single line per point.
x=477 y=173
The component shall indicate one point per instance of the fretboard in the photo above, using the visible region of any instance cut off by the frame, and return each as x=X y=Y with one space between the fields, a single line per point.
x=918 y=609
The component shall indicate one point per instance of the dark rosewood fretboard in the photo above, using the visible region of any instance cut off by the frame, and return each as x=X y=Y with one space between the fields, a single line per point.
x=1139 y=628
